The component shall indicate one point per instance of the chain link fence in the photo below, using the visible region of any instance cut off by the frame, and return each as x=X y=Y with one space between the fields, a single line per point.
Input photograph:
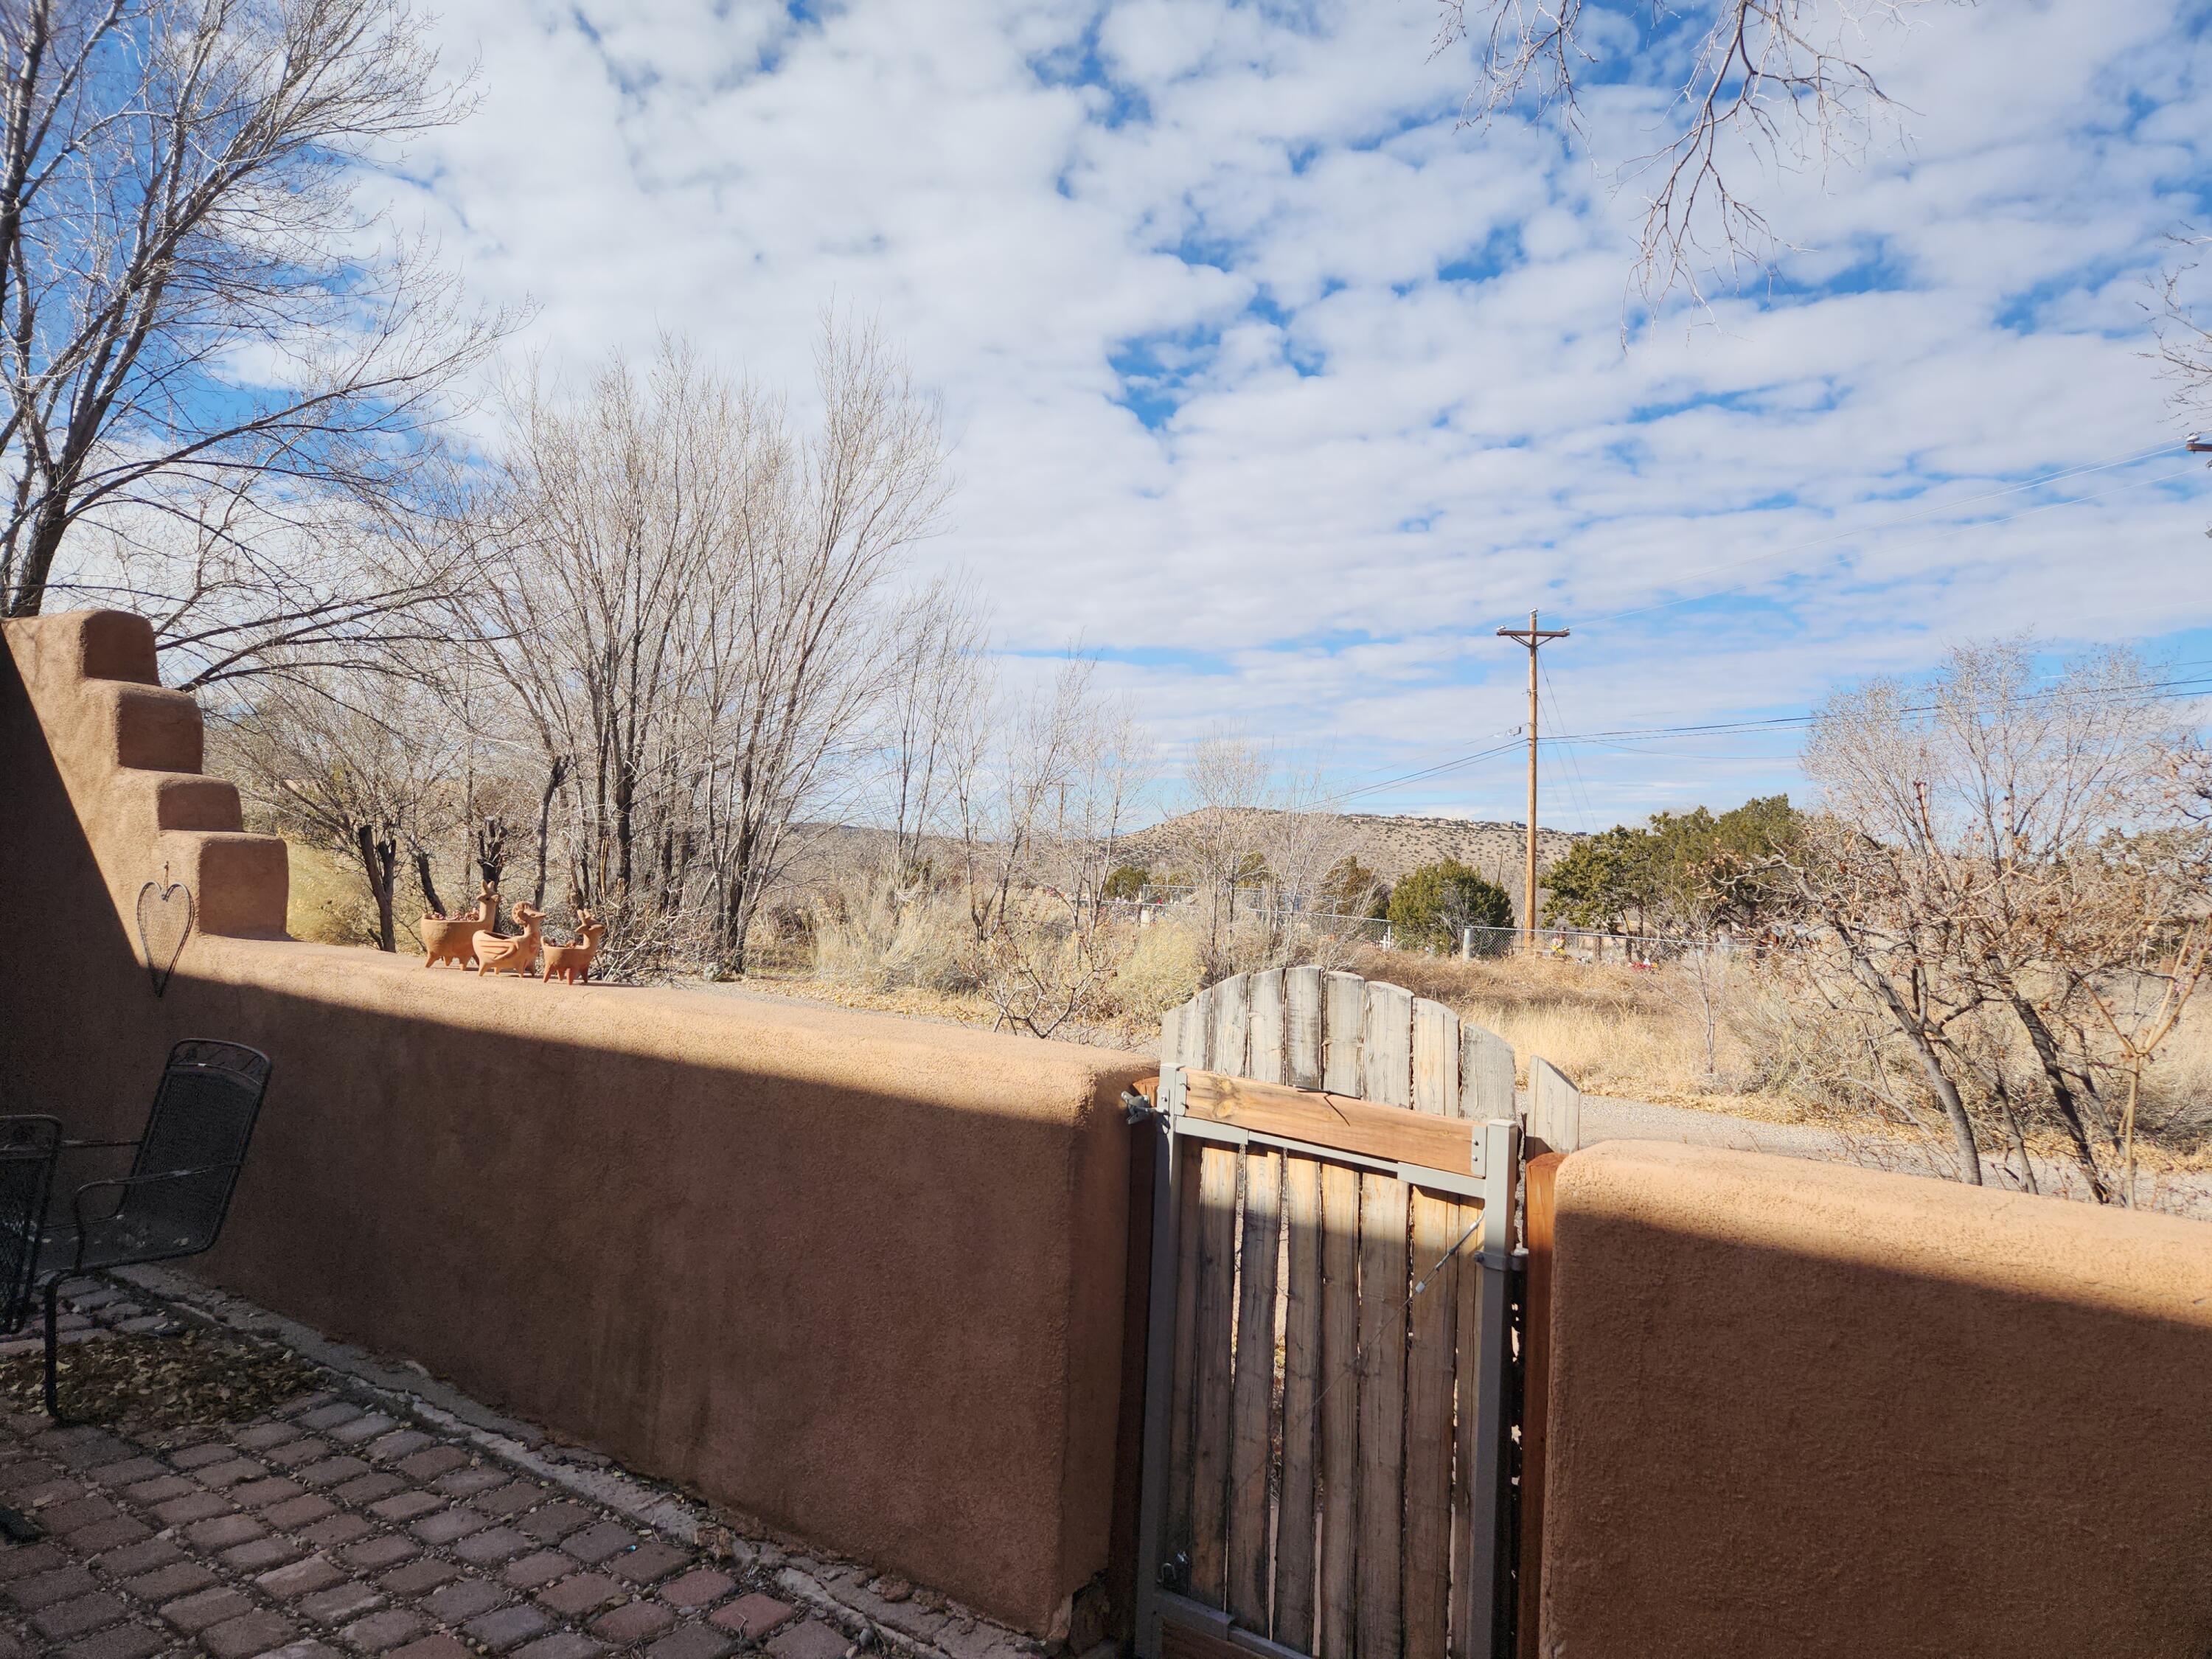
x=1583 y=944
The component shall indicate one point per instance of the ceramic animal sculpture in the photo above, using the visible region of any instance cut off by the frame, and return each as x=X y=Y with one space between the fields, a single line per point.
x=453 y=938
x=573 y=961
x=496 y=955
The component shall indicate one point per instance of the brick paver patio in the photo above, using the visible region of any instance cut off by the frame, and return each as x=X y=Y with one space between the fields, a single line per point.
x=337 y=1524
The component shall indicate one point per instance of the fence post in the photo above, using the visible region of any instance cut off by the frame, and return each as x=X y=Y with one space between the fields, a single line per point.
x=1467 y=945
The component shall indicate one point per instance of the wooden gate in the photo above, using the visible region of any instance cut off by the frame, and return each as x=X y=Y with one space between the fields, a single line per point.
x=1328 y=1438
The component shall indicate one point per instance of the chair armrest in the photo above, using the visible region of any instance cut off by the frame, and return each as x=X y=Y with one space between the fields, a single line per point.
x=78 y=1145
x=124 y=1183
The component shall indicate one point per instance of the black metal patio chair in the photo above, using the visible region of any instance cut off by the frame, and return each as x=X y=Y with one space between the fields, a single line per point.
x=184 y=1168
x=29 y=1148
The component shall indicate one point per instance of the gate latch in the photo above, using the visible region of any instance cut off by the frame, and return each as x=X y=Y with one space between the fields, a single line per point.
x=1174 y=1571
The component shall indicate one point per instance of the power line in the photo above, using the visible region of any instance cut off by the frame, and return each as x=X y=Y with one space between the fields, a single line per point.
x=2153 y=691
x=1576 y=786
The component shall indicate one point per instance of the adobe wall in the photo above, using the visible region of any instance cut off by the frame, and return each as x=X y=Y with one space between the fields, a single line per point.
x=1806 y=1410
x=860 y=1277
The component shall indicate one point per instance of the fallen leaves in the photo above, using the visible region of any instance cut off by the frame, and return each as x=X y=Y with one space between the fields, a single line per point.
x=161 y=1381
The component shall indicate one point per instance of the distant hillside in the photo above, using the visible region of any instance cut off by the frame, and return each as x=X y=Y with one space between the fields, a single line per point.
x=1392 y=846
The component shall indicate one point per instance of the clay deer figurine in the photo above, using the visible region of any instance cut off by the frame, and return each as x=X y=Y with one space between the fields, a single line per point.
x=573 y=961
x=453 y=938
x=496 y=955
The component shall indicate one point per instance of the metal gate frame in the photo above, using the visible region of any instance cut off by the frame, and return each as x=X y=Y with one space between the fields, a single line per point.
x=1495 y=1248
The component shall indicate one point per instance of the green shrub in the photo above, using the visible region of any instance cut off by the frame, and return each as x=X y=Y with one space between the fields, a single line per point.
x=1126 y=882
x=1430 y=905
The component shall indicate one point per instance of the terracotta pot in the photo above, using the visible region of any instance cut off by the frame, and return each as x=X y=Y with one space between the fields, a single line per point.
x=453 y=938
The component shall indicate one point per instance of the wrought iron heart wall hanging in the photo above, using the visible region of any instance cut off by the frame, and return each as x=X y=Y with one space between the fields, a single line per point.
x=165 y=914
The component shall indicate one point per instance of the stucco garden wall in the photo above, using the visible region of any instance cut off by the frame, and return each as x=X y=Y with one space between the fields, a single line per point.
x=1814 y=1411
x=859 y=1277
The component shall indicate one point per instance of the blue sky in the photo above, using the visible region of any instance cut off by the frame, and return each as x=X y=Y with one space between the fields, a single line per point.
x=1281 y=390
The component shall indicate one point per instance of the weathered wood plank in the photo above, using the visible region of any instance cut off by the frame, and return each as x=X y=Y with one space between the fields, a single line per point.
x=1216 y=1233
x=1335 y=1122
x=1265 y=1060
x=1232 y=1025
x=1485 y=1074
x=1540 y=1218
x=1336 y=1600
x=1169 y=1096
x=1467 y=1333
x=1198 y=1030
x=1436 y=1058
x=1183 y=1397
x=1430 y=1363
x=1252 y=1396
x=1344 y=1023
x=1302 y=1018
x=1382 y=1286
x=1555 y=1107
x=1302 y=1371
x=1387 y=1046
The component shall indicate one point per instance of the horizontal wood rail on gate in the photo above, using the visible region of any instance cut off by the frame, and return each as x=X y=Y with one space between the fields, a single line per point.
x=1340 y=1121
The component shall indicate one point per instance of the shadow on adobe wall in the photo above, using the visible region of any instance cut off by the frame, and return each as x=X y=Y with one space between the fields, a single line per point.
x=861 y=1278
x=1756 y=1447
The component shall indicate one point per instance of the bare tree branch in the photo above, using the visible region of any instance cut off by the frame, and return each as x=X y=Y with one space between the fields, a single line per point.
x=185 y=306
x=1769 y=83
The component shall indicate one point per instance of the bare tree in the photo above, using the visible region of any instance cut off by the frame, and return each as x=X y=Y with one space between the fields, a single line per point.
x=1994 y=843
x=366 y=779
x=607 y=513
x=801 y=623
x=936 y=685
x=1767 y=81
x=1258 y=852
x=1042 y=797
x=698 y=607
x=1875 y=922
x=195 y=311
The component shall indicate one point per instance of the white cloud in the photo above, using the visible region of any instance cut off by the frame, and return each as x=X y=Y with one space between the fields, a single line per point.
x=1402 y=409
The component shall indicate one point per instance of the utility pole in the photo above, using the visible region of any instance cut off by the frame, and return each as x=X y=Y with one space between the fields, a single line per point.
x=1534 y=638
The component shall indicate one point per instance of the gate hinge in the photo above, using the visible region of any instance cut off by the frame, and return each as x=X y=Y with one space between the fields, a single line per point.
x=1139 y=1109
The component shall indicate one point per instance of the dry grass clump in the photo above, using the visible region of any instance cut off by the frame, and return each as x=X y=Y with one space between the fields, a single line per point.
x=912 y=950
x=872 y=935
x=1165 y=967
x=1615 y=1030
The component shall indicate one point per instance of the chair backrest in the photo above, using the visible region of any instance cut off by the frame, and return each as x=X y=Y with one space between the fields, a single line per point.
x=28 y=1149
x=203 y=1119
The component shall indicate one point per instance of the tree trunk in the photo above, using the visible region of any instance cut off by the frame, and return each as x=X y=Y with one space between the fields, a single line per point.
x=436 y=906
x=1931 y=1064
x=2018 y=1138
x=553 y=775
x=380 y=864
x=625 y=826
x=2062 y=1092
x=42 y=541
x=738 y=916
